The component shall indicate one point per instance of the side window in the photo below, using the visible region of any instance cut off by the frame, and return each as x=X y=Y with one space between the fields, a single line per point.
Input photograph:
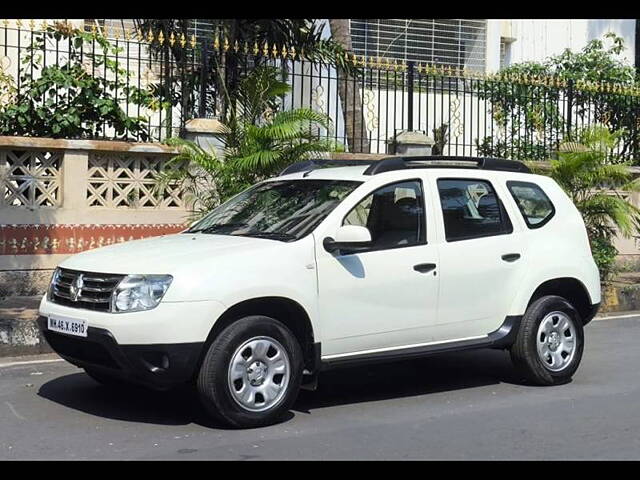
x=535 y=206
x=471 y=209
x=394 y=214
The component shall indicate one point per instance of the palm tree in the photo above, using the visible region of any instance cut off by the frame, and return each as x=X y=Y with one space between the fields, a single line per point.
x=226 y=68
x=354 y=122
x=598 y=183
x=259 y=142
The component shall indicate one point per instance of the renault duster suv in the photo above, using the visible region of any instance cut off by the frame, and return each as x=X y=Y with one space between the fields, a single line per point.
x=334 y=264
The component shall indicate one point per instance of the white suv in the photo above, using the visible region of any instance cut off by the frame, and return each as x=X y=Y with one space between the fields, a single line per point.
x=327 y=266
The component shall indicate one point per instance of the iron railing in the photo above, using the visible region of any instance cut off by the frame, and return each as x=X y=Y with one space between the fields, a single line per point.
x=465 y=112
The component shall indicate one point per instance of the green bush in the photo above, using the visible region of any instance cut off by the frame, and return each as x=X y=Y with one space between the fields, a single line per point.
x=65 y=100
x=598 y=184
x=532 y=114
x=604 y=254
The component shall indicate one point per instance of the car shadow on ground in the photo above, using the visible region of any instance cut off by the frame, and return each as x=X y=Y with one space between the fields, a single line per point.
x=128 y=403
x=367 y=383
x=408 y=378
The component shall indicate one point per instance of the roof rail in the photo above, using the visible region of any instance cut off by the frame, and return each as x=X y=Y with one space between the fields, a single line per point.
x=484 y=163
x=401 y=163
x=309 y=165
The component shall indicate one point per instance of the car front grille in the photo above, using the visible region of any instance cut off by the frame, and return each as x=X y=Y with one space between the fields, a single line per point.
x=92 y=292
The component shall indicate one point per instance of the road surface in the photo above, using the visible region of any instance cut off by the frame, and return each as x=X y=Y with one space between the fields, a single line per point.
x=469 y=405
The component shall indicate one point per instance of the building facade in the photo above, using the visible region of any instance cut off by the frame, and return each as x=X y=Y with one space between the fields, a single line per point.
x=482 y=44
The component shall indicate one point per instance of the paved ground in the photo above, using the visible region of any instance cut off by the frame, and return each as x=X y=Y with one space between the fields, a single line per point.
x=464 y=406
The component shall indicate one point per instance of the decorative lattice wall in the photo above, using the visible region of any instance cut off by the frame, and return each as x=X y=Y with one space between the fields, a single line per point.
x=30 y=178
x=128 y=181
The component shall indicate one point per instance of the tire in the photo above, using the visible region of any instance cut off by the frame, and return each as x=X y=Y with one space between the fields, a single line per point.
x=107 y=380
x=542 y=357
x=266 y=378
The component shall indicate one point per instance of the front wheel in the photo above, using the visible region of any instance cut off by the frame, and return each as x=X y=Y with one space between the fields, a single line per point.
x=550 y=341
x=251 y=373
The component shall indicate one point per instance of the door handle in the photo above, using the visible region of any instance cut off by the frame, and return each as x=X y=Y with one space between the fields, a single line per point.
x=424 y=267
x=510 y=257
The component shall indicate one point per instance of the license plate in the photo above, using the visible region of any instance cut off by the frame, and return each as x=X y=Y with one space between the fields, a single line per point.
x=70 y=326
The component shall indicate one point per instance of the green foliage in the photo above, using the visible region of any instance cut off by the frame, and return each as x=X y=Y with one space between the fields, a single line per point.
x=518 y=148
x=7 y=87
x=598 y=185
x=205 y=179
x=65 y=99
x=531 y=114
x=604 y=254
x=440 y=139
x=287 y=137
x=259 y=141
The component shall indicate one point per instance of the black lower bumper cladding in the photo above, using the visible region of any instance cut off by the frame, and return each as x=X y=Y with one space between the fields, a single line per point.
x=159 y=366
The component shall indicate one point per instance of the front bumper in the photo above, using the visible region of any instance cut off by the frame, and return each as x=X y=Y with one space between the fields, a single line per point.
x=158 y=366
x=168 y=323
x=159 y=348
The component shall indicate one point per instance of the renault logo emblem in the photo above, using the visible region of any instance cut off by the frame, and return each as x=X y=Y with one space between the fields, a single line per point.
x=75 y=289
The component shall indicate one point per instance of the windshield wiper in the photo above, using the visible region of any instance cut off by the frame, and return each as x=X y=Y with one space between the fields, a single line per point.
x=217 y=226
x=274 y=235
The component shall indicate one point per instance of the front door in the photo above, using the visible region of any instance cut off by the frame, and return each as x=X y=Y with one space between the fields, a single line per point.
x=384 y=297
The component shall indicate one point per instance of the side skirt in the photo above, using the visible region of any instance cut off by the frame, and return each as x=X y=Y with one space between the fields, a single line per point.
x=501 y=338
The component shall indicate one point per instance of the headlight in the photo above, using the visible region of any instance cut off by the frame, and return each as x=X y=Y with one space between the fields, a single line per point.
x=139 y=292
x=54 y=280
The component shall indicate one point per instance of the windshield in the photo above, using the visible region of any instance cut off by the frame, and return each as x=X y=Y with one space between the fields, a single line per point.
x=283 y=210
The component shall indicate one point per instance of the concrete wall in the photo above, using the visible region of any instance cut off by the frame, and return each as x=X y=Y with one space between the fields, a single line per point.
x=60 y=197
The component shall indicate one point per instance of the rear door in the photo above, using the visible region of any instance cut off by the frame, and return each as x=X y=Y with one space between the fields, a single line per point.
x=481 y=255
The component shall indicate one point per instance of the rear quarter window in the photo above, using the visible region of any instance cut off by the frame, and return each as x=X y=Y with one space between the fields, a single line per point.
x=535 y=206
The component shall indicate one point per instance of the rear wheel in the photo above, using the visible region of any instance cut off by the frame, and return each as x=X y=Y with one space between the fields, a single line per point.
x=251 y=373
x=550 y=341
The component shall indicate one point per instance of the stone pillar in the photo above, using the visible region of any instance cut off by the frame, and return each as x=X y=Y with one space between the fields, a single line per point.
x=207 y=133
x=75 y=175
x=411 y=144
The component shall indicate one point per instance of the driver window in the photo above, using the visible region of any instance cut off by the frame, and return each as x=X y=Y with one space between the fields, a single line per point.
x=394 y=214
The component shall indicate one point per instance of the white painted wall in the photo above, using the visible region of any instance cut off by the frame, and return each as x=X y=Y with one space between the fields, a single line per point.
x=537 y=39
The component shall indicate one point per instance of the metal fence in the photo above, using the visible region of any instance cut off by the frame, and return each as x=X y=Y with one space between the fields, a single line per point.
x=466 y=113
x=127 y=67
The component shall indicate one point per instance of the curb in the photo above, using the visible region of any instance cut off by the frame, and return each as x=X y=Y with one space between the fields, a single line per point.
x=19 y=331
x=617 y=315
x=21 y=338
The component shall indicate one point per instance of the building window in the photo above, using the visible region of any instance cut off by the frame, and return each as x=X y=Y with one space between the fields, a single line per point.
x=456 y=43
x=204 y=29
x=505 y=52
x=117 y=27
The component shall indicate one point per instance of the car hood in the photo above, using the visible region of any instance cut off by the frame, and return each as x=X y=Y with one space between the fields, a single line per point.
x=165 y=254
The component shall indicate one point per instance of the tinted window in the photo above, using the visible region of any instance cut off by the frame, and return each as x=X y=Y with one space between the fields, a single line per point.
x=471 y=209
x=535 y=206
x=394 y=214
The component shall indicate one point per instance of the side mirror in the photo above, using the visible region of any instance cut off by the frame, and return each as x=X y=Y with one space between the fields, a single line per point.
x=348 y=237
